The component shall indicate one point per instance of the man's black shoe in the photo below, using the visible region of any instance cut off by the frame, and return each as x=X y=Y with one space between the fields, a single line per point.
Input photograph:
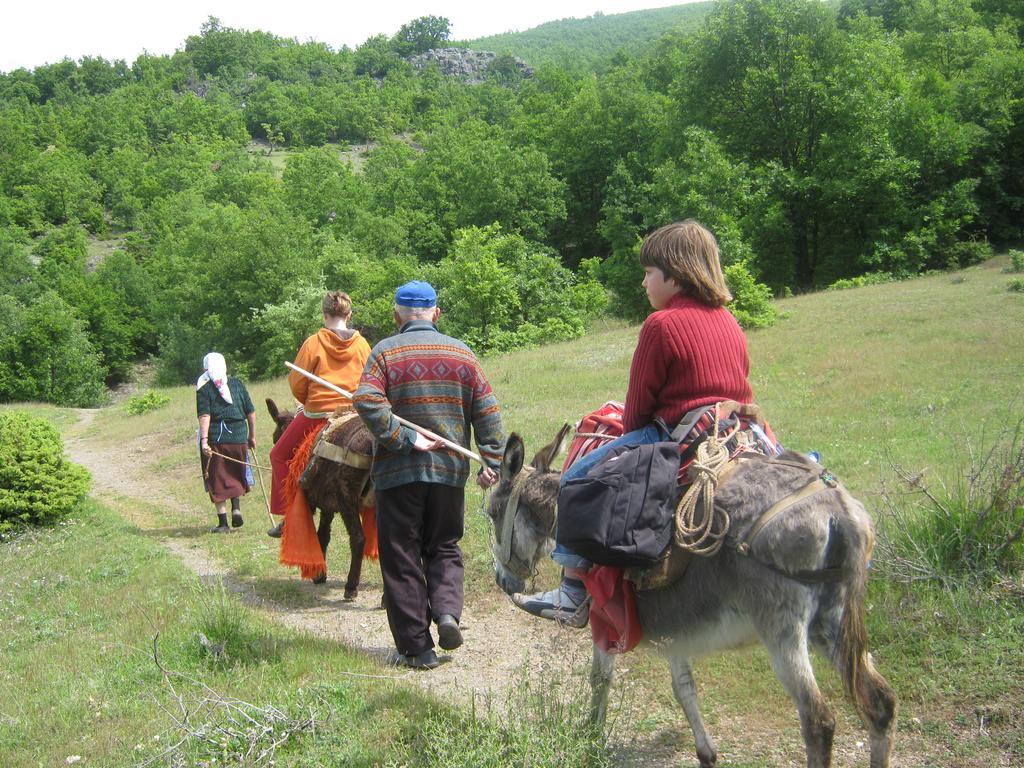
x=449 y=636
x=275 y=532
x=236 y=519
x=425 y=660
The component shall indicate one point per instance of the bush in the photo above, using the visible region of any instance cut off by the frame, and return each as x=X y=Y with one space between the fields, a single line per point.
x=751 y=301
x=1016 y=261
x=1016 y=285
x=871 y=278
x=972 y=529
x=139 y=404
x=38 y=485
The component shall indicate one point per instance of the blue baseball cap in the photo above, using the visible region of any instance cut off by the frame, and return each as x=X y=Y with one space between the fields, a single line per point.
x=416 y=294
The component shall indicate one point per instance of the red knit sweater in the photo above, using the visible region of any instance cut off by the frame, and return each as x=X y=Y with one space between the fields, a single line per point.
x=688 y=355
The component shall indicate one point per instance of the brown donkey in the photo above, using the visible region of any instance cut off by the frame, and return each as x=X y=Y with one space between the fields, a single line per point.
x=336 y=488
x=800 y=586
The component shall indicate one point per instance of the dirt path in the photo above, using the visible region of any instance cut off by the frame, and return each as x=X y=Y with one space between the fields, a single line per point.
x=499 y=639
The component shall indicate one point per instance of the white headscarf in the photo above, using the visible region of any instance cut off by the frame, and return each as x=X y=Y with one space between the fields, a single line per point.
x=217 y=372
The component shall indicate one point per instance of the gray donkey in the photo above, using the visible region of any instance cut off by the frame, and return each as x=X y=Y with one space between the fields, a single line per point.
x=800 y=585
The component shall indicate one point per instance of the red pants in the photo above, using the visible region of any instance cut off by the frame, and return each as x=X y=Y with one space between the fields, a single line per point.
x=281 y=454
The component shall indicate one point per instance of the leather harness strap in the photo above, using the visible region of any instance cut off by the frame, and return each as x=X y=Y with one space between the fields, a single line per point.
x=511 y=507
x=342 y=455
x=339 y=453
x=815 y=486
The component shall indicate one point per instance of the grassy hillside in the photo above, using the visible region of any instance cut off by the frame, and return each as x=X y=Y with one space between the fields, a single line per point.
x=920 y=373
x=588 y=43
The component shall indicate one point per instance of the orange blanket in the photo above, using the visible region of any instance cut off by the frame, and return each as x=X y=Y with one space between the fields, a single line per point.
x=300 y=546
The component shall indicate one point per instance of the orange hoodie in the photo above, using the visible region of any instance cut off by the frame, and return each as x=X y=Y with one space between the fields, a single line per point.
x=339 y=361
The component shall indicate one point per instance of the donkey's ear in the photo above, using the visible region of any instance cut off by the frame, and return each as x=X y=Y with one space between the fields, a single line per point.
x=542 y=461
x=512 y=461
x=272 y=407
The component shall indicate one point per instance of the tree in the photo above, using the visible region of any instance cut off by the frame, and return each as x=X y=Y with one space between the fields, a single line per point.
x=422 y=34
x=321 y=188
x=500 y=291
x=60 y=188
x=376 y=57
x=50 y=358
x=472 y=176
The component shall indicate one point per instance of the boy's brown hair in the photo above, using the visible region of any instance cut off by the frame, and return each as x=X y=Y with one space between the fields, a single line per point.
x=336 y=304
x=687 y=252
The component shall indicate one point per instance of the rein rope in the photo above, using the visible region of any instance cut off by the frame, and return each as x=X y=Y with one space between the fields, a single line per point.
x=700 y=527
x=237 y=461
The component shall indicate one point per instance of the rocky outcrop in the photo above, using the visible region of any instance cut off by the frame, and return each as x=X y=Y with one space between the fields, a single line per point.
x=471 y=66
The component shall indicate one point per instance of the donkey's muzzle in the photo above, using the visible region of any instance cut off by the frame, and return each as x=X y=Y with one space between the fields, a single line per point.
x=509 y=583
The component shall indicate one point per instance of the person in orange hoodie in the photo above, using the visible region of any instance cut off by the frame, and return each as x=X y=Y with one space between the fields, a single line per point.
x=336 y=353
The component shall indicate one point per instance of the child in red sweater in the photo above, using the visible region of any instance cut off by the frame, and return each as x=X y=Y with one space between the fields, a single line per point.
x=691 y=353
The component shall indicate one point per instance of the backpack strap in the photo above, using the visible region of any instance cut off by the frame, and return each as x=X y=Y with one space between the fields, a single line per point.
x=688 y=421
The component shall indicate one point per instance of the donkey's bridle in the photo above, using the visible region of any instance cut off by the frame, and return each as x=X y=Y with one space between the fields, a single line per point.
x=508 y=525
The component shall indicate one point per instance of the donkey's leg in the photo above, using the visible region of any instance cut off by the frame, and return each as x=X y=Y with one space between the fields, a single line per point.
x=323 y=535
x=686 y=694
x=877 y=704
x=356 y=543
x=792 y=664
x=846 y=647
x=323 y=530
x=601 y=671
x=874 y=698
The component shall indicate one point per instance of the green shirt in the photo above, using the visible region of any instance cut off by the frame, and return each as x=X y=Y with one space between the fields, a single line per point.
x=227 y=420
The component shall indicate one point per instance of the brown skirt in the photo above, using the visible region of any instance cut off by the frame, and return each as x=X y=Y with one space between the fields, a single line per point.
x=225 y=479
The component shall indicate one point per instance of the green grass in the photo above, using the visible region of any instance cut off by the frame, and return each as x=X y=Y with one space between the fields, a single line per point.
x=80 y=606
x=59 y=417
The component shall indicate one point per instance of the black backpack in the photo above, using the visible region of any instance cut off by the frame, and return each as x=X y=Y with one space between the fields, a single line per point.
x=621 y=512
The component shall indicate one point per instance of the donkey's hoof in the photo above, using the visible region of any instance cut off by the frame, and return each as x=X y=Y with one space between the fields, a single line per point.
x=351 y=593
x=321 y=579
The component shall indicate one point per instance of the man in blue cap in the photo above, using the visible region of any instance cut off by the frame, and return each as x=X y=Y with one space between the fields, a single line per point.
x=435 y=382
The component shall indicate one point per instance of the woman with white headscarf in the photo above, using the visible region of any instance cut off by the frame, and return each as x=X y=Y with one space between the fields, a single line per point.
x=227 y=430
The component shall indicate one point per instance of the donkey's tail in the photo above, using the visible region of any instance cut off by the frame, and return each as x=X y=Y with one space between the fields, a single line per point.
x=874 y=698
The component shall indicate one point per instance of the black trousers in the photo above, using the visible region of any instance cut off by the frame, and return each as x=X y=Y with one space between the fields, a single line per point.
x=418 y=530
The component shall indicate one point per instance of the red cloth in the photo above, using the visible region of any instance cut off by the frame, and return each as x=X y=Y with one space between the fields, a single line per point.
x=369 y=518
x=614 y=621
x=688 y=355
x=605 y=421
x=281 y=455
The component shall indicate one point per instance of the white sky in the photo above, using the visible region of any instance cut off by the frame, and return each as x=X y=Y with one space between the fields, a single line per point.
x=35 y=32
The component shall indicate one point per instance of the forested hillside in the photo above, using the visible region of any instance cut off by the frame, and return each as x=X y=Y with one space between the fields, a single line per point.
x=590 y=43
x=882 y=139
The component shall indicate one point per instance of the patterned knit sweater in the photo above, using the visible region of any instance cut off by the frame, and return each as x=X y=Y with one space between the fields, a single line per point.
x=435 y=382
x=688 y=355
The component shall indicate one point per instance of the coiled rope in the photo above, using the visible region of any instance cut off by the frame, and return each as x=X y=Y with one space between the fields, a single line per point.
x=700 y=527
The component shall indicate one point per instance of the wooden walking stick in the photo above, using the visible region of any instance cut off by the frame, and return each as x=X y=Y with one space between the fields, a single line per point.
x=266 y=501
x=423 y=431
